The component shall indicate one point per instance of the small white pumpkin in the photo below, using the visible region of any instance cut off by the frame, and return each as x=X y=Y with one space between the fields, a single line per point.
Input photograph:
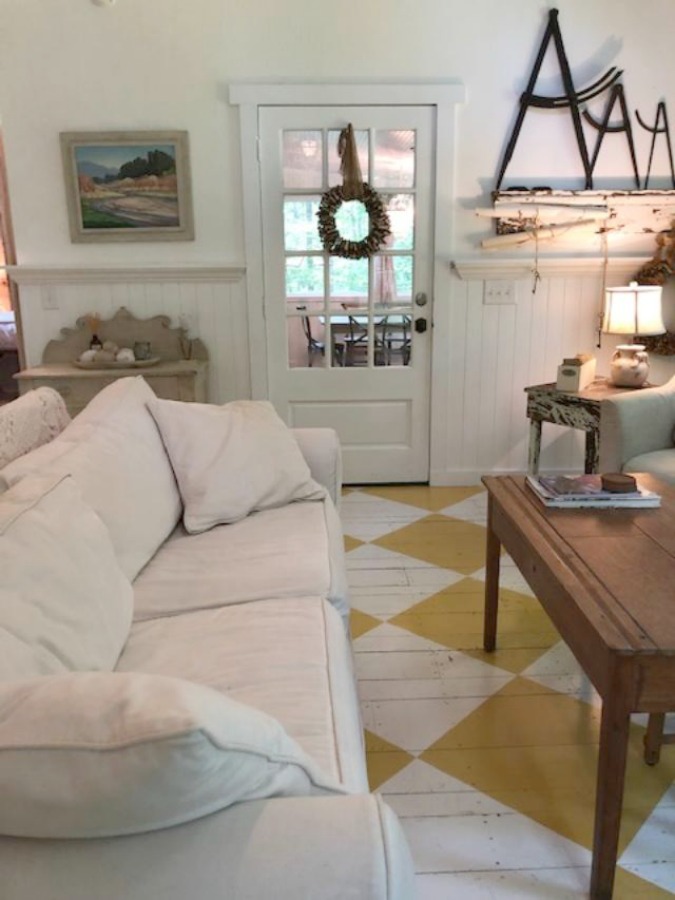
x=87 y=356
x=126 y=354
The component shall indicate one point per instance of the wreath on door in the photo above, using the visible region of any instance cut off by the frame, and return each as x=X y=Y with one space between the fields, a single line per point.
x=352 y=188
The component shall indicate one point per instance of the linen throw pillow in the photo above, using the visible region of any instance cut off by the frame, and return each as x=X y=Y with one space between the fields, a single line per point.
x=94 y=755
x=64 y=601
x=115 y=453
x=231 y=460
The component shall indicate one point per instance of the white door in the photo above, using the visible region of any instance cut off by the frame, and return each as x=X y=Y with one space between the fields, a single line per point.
x=348 y=341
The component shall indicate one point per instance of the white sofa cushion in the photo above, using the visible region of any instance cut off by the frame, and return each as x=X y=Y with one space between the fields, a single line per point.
x=231 y=460
x=93 y=755
x=287 y=848
x=290 y=658
x=30 y=421
x=294 y=551
x=115 y=453
x=64 y=601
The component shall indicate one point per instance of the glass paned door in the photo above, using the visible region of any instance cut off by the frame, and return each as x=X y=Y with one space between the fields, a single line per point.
x=348 y=339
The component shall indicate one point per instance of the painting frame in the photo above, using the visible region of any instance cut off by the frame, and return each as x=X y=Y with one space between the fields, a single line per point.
x=114 y=193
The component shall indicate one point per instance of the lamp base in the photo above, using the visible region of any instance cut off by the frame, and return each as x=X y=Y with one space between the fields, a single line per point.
x=629 y=366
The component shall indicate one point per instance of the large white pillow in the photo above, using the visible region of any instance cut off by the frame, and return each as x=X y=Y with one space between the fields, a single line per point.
x=64 y=601
x=231 y=460
x=95 y=755
x=114 y=451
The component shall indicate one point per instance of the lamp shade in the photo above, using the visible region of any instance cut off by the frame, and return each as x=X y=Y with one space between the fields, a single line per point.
x=635 y=310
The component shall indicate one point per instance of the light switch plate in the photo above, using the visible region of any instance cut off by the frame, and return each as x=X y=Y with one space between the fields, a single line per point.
x=498 y=292
x=50 y=299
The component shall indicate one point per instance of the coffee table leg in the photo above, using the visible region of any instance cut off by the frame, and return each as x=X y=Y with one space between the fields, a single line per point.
x=611 y=775
x=654 y=738
x=493 y=550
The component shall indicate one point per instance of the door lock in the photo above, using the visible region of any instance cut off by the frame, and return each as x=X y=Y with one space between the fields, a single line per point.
x=420 y=325
x=421 y=299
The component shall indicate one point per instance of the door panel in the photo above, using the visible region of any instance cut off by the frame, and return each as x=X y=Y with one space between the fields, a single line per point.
x=343 y=349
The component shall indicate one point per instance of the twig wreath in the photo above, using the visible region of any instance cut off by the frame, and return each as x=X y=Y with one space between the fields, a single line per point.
x=330 y=236
x=353 y=188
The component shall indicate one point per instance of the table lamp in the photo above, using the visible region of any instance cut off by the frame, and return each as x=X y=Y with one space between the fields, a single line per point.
x=634 y=310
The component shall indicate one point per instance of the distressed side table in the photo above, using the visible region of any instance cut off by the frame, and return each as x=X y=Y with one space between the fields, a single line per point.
x=575 y=409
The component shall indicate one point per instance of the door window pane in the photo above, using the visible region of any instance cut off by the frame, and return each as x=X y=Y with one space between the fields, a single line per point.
x=394 y=164
x=304 y=278
x=403 y=273
x=348 y=281
x=385 y=287
x=300 y=223
x=393 y=342
x=401 y=211
x=361 y=138
x=350 y=339
x=306 y=342
x=302 y=159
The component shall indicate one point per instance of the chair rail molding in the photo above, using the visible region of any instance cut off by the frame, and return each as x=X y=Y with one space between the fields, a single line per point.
x=564 y=267
x=111 y=274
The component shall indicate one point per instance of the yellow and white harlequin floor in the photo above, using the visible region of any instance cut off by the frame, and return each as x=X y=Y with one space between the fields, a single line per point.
x=489 y=759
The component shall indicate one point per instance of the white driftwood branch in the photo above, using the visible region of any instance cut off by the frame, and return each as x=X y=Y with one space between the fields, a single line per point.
x=546 y=233
x=543 y=211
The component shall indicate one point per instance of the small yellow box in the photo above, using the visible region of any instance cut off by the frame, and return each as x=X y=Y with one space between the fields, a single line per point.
x=576 y=374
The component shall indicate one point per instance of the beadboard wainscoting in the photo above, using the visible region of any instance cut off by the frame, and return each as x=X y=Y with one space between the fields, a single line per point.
x=496 y=349
x=210 y=302
x=485 y=353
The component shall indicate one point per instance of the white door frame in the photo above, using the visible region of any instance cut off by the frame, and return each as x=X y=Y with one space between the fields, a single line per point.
x=445 y=97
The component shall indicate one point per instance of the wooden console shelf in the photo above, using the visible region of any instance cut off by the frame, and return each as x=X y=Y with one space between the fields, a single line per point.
x=180 y=374
x=180 y=379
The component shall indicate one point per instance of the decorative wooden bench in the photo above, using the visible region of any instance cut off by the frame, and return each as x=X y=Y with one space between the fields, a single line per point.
x=180 y=372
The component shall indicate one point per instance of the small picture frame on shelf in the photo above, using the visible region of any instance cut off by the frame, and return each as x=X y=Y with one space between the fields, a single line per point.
x=127 y=186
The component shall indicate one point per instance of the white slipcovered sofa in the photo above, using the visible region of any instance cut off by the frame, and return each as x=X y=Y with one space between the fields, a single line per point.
x=637 y=432
x=178 y=713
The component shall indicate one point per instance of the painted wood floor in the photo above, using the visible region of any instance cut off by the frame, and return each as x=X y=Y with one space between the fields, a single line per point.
x=489 y=760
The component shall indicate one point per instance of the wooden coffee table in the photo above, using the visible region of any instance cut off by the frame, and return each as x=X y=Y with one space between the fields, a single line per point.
x=606 y=579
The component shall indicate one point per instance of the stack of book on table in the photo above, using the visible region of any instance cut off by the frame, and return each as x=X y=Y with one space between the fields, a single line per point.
x=575 y=491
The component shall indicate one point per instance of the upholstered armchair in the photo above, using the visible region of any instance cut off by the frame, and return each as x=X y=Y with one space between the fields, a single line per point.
x=636 y=432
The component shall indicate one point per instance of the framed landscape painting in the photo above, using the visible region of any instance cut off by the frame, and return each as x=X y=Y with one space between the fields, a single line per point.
x=128 y=186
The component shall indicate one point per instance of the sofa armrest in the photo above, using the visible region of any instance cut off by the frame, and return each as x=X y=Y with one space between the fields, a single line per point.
x=321 y=449
x=290 y=848
x=30 y=421
x=636 y=422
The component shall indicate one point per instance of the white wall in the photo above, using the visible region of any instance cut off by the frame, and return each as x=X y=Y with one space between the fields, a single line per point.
x=145 y=64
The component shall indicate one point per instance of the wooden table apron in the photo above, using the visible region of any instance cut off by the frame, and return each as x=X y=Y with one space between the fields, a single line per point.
x=605 y=578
